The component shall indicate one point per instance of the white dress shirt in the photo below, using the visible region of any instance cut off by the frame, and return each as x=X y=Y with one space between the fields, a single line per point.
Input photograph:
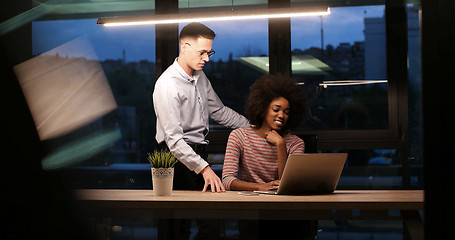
x=183 y=106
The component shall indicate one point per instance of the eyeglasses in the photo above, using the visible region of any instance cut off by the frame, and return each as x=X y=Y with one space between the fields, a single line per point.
x=209 y=54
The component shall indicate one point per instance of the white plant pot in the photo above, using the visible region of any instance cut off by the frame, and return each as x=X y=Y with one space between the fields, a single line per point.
x=162 y=179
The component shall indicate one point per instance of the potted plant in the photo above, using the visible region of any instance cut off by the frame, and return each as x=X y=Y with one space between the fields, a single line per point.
x=163 y=163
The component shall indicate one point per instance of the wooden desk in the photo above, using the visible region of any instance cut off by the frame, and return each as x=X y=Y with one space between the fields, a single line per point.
x=343 y=204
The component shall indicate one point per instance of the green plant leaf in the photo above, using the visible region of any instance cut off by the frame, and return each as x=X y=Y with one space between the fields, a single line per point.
x=162 y=159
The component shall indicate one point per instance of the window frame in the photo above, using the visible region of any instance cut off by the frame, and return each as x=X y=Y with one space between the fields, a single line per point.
x=397 y=91
x=395 y=137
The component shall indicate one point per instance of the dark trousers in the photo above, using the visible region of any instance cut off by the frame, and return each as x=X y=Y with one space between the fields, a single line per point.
x=178 y=229
x=184 y=179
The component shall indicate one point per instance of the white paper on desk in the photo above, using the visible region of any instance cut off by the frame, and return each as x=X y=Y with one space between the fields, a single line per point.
x=248 y=193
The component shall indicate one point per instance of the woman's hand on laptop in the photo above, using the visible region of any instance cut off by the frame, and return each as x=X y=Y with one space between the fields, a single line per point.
x=269 y=186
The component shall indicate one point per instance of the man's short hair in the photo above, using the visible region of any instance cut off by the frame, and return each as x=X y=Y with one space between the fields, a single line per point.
x=195 y=30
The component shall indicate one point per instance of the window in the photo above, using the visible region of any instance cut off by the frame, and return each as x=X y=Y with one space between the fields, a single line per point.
x=340 y=63
x=127 y=59
x=354 y=106
x=238 y=45
x=372 y=169
x=217 y=3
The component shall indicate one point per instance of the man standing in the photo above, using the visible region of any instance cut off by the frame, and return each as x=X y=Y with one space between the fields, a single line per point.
x=184 y=100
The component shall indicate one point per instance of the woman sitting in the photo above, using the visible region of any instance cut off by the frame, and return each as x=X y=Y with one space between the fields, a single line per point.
x=256 y=156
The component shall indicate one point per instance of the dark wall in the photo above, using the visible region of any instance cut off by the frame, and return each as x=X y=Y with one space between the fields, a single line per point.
x=35 y=204
x=438 y=51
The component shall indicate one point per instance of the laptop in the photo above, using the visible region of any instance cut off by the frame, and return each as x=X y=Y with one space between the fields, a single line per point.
x=307 y=174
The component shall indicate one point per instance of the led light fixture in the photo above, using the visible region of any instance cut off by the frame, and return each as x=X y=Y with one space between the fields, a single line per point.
x=216 y=15
x=350 y=82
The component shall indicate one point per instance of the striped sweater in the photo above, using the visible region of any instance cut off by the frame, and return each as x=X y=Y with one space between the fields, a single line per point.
x=251 y=158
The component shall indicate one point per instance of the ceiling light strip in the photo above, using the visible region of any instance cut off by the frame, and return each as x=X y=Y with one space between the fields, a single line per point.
x=350 y=82
x=214 y=16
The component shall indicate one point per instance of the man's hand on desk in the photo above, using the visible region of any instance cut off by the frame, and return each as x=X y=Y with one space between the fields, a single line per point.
x=212 y=179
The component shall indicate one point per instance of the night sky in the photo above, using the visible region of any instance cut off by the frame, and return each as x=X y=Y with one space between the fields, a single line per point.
x=236 y=37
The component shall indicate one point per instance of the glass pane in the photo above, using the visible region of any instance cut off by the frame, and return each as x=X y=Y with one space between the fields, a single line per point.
x=94 y=8
x=229 y=70
x=218 y=3
x=371 y=169
x=415 y=94
x=364 y=169
x=109 y=150
x=340 y=62
x=131 y=44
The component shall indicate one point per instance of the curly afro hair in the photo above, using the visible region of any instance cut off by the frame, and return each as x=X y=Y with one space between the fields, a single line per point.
x=269 y=87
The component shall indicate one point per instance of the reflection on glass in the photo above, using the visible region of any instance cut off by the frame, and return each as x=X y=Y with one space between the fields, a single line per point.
x=231 y=76
x=415 y=92
x=350 y=90
x=218 y=3
x=364 y=169
x=126 y=59
x=372 y=169
x=302 y=64
x=64 y=88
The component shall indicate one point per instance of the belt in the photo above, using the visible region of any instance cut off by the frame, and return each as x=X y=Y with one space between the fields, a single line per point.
x=198 y=148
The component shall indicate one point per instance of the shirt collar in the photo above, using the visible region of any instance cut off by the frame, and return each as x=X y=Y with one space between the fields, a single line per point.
x=196 y=74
